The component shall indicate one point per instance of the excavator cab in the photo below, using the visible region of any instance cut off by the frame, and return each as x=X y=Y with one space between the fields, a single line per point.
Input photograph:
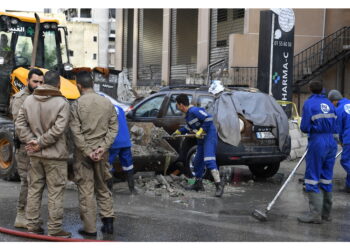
x=16 y=53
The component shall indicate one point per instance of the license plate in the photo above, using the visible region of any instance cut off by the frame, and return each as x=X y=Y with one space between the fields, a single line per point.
x=264 y=135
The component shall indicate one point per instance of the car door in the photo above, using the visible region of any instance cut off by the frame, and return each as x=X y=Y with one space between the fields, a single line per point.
x=149 y=110
x=172 y=118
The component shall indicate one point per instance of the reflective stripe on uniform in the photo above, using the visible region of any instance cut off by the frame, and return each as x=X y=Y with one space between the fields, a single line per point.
x=208 y=119
x=187 y=127
x=312 y=182
x=128 y=168
x=193 y=121
x=318 y=116
x=209 y=158
x=324 y=181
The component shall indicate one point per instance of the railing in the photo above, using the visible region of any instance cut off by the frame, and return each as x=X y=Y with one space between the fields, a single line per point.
x=308 y=63
x=314 y=59
x=244 y=76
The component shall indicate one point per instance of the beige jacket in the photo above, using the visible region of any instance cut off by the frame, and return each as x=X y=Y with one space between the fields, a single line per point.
x=17 y=101
x=93 y=122
x=45 y=116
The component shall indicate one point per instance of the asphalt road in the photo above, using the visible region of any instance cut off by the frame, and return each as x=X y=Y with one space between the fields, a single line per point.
x=201 y=218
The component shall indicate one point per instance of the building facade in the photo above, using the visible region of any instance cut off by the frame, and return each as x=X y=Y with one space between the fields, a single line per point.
x=175 y=46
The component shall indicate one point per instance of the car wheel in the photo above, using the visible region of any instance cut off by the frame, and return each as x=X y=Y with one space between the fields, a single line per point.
x=264 y=170
x=189 y=167
x=8 y=169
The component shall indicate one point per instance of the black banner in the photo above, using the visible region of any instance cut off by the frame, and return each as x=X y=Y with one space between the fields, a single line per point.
x=276 y=51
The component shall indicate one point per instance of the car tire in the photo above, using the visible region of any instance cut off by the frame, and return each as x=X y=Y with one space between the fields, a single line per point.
x=264 y=170
x=8 y=169
x=189 y=168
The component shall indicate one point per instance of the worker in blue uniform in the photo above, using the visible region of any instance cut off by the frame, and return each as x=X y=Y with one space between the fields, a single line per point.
x=319 y=122
x=121 y=148
x=200 y=122
x=343 y=122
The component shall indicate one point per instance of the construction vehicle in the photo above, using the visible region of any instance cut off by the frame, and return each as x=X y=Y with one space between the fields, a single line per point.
x=38 y=42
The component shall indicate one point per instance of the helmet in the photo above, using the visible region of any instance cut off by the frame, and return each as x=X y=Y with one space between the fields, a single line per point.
x=216 y=87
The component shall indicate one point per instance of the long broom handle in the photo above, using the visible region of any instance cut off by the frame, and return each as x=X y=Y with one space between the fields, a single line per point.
x=289 y=177
x=286 y=182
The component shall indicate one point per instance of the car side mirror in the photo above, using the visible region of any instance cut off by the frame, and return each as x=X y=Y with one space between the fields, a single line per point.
x=130 y=114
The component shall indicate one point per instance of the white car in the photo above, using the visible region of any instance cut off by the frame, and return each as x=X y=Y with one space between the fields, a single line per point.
x=124 y=106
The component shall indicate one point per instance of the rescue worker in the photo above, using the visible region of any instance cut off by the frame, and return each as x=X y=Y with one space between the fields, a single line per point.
x=121 y=148
x=319 y=122
x=41 y=124
x=200 y=122
x=343 y=122
x=94 y=126
x=35 y=79
x=4 y=43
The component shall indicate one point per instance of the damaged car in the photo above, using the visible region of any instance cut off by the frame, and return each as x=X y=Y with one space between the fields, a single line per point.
x=252 y=127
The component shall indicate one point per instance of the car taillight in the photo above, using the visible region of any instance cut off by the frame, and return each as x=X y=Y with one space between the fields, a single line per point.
x=234 y=158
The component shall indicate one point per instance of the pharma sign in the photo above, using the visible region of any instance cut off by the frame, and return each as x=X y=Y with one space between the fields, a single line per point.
x=276 y=45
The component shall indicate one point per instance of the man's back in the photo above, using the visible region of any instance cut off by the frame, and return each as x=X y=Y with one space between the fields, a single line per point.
x=47 y=112
x=93 y=122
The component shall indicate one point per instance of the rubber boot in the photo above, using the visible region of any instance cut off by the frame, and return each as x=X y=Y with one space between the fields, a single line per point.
x=316 y=205
x=219 y=189
x=197 y=186
x=219 y=184
x=327 y=205
x=131 y=183
x=21 y=221
x=107 y=226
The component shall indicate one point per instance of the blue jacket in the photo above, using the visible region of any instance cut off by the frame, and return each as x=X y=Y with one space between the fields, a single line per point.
x=122 y=139
x=197 y=118
x=343 y=120
x=318 y=116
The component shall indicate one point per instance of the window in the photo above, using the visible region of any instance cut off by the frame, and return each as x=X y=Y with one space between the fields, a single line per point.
x=95 y=38
x=71 y=53
x=221 y=43
x=94 y=56
x=222 y=15
x=85 y=13
x=150 y=108
x=172 y=110
x=24 y=48
x=205 y=101
x=238 y=13
x=50 y=55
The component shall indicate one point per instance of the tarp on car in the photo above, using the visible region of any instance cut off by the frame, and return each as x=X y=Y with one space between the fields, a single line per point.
x=260 y=108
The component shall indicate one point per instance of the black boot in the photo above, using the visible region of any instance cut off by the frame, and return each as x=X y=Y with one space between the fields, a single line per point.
x=219 y=189
x=316 y=205
x=107 y=225
x=197 y=186
x=131 y=183
x=327 y=205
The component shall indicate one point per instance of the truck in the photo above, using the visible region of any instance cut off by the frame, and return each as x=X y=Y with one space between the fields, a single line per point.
x=40 y=42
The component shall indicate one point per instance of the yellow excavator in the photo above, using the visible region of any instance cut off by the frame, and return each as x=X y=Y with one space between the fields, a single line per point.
x=27 y=42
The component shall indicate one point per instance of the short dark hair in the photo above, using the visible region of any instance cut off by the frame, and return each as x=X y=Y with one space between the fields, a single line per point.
x=52 y=78
x=316 y=87
x=84 y=78
x=35 y=72
x=182 y=99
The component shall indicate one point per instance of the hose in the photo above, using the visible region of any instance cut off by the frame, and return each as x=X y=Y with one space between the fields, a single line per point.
x=44 y=237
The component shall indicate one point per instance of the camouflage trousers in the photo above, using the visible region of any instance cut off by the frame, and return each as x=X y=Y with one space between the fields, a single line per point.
x=53 y=174
x=91 y=178
x=23 y=162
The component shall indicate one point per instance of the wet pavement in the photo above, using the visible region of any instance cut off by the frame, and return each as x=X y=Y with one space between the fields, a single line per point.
x=157 y=217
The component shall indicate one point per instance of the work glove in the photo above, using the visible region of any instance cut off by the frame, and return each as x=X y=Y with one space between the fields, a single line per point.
x=177 y=132
x=199 y=134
